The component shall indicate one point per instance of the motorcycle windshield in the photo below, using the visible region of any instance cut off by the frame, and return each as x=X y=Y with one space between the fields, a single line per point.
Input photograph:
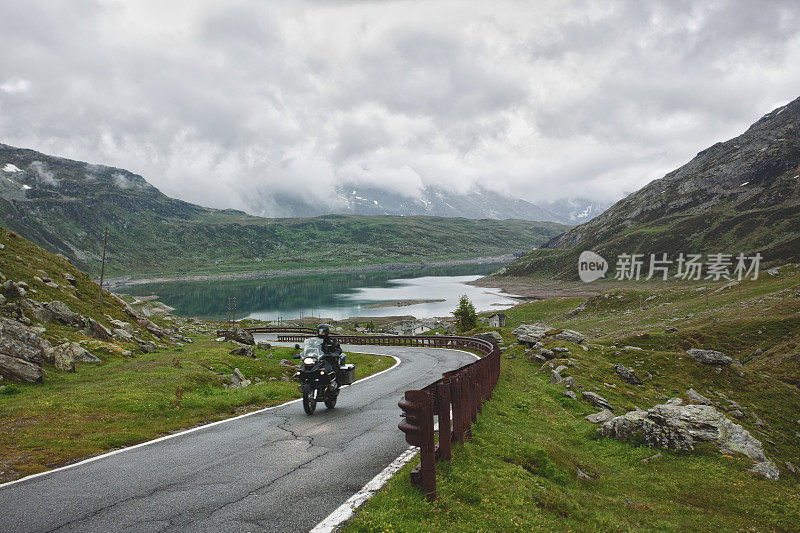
x=312 y=347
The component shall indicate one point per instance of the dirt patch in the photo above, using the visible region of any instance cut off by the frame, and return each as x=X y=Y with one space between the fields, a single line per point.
x=534 y=289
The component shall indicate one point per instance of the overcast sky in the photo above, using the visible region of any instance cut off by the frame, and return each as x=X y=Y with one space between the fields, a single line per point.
x=223 y=102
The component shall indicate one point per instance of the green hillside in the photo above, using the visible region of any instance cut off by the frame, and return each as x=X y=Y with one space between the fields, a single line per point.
x=64 y=206
x=534 y=463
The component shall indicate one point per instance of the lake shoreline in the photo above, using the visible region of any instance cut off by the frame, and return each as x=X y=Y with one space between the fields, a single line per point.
x=117 y=283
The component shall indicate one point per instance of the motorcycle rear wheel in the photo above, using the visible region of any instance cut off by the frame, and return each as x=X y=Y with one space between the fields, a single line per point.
x=309 y=402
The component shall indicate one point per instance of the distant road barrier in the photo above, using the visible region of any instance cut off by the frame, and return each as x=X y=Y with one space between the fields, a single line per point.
x=462 y=392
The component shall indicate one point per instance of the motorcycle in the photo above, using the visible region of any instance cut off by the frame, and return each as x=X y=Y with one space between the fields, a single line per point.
x=320 y=375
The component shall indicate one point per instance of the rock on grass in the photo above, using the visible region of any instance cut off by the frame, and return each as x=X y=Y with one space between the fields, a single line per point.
x=679 y=427
x=710 y=357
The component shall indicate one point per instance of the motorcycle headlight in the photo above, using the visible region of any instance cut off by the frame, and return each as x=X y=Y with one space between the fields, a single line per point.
x=309 y=361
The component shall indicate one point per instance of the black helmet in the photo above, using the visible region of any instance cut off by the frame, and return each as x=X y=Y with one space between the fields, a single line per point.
x=323 y=330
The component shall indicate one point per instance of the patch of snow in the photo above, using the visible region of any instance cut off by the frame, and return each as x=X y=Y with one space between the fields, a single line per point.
x=375 y=202
x=798 y=176
x=25 y=187
x=743 y=184
x=781 y=110
x=585 y=213
x=11 y=168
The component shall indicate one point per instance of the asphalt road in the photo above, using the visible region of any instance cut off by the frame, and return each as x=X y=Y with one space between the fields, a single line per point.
x=278 y=470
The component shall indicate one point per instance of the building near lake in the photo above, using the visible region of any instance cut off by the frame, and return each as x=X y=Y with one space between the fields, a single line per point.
x=497 y=320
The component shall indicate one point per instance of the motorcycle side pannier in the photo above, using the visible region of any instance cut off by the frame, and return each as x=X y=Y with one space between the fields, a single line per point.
x=346 y=375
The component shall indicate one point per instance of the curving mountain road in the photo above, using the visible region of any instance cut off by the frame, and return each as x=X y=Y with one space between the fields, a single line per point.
x=274 y=470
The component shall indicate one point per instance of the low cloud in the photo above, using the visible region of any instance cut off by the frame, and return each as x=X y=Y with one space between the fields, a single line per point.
x=250 y=105
x=44 y=176
x=122 y=181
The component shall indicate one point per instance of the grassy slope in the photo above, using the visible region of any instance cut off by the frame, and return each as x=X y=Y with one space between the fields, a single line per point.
x=519 y=471
x=22 y=260
x=773 y=232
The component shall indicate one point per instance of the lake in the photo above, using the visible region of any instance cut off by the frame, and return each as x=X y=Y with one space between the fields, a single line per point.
x=335 y=296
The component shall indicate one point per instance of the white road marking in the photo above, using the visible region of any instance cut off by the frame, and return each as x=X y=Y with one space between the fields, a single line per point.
x=345 y=512
x=185 y=432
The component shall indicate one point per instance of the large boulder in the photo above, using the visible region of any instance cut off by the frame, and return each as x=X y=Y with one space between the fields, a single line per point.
x=697 y=398
x=237 y=334
x=122 y=335
x=13 y=290
x=35 y=311
x=570 y=336
x=119 y=324
x=22 y=351
x=97 y=330
x=491 y=336
x=679 y=427
x=17 y=369
x=627 y=374
x=600 y=418
x=710 y=357
x=66 y=355
x=530 y=334
x=237 y=380
x=63 y=314
x=246 y=351
x=596 y=400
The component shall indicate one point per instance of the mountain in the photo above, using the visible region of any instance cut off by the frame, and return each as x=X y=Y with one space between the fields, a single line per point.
x=576 y=210
x=742 y=195
x=433 y=201
x=65 y=205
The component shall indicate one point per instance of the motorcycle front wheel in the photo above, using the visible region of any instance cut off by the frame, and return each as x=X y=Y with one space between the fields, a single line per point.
x=309 y=402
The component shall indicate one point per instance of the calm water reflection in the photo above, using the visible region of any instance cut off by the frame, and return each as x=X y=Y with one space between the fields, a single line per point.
x=334 y=296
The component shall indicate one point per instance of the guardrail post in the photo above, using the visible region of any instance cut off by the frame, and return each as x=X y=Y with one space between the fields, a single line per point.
x=445 y=435
x=475 y=396
x=466 y=402
x=479 y=387
x=418 y=427
x=458 y=409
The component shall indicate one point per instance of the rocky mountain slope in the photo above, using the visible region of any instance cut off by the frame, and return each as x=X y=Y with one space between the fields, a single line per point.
x=742 y=195
x=65 y=206
x=476 y=204
x=50 y=313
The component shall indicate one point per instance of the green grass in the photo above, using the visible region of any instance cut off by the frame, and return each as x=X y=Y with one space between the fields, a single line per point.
x=519 y=471
x=124 y=401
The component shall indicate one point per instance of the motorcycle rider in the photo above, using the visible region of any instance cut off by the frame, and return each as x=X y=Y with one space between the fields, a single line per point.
x=330 y=346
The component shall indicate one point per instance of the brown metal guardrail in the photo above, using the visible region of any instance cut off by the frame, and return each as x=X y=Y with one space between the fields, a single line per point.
x=282 y=329
x=460 y=393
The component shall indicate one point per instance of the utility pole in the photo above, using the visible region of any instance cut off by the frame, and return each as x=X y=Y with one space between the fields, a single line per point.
x=231 y=310
x=103 y=267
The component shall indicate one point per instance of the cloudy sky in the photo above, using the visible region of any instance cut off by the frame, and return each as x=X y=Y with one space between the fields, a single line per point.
x=224 y=103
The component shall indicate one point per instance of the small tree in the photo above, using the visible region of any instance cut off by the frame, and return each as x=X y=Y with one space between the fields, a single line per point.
x=371 y=326
x=466 y=318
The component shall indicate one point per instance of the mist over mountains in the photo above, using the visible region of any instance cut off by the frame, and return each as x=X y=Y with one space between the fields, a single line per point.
x=433 y=201
x=65 y=206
